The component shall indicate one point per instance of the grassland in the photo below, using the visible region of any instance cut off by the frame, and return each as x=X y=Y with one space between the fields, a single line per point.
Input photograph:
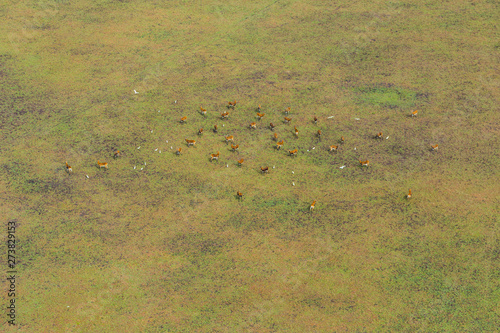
x=169 y=248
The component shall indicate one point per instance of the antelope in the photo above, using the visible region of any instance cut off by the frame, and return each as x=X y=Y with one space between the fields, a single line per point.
x=260 y=115
x=178 y=152
x=275 y=136
x=408 y=196
x=315 y=119
x=203 y=111
x=312 y=205
x=215 y=128
x=259 y=108
x=364 y=163
x=190 y=142
x=231 y=104
x=293 y=152
x=435 y=147
x=271 y=126
x=183 y=120
x=253 y=125
x=341 y=139
x=200 y=131
x=235 y=148
x=334 y=148
x=414 y=113
x=296 y=131
x=264 y=169
x=229 y=138
x=288 y=120
x=239 y=195
x=224 y=115
x=287 y=110
x=240 y=162
x=279 y=144
x=319 y=133
x=68 y=168
x=379 y=136
x=117 y=154
x=102 y=165
x=214 y=156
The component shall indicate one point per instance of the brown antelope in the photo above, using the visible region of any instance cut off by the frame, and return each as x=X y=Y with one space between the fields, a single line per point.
x=200 y=131
x=341 y=139
x=178 y=152
x=287 y=110
x=229 y=138
x=68 y=168
x=288 y=120
x=271 y=126
x=190 y=142
x=102 y=165
x=259 y=108
x=203 y=111
x=214 y=156
x=435 y=147
x=253 y=125
x=231 y=104
x=334 y=148
x=364 y=163
x=235 y=148
x=414 y=113
x=224 y=115
x=312 y=205
x=183 y=120
x=408 y=196
x=293 y=152
x=279 y=144
x=379 y=135
x=275 y=136
x=117 y=154
x=240 y=162
x=239 y=195
x=215 y=128
x=319 y=133
x=264 y=169
x=315 y=119
x=260 y=115
x=296 y=131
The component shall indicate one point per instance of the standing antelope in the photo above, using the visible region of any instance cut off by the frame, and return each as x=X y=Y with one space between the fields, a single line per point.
x=240 y=162
x=224 y=115
x=408 y=196
x=315 y=119
x=296 y=131
x=239 y=195
x=288 y=120
x=203 y=111
x=178 y=152
x=215 y=128
x=379 y=135
x=271 y=126
x=190 y=142
x=435 y=147
x=200 y=131
x=214 y=156
x=312 y=205
x=275 y=136
x=279 y=144
x=229 y=138
x=117 y=154
x=183 y=120
x=259 y=108
x=341 y=139
x=334 y=148
x=235 y=148
x=264 y=169
x=319 y=133
x=414 y=113
x=260 y=115
x=287 y=110
x=231 y=104
x=102 y=165
x=293 y=152
x=364 y=163
x=253 y=125
x=68 y=168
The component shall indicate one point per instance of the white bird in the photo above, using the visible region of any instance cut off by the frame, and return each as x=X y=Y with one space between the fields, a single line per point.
x=356 y=118
x=151 y=131
x=387 y=138
x=144 y=163
x=342 y=167
x=166 y=141
x=314 y=147
x=156 y=149
x=354 y=148
x=158 y=111
x=175 y=102
x=134 y=167
x=308 y=150
x=142 y=168
x=87 y=176
x=135 y=91
x=274 y=166
x=329 y=117
x=293 y=183
x=139 y=147
x=293 y=172
x=160 y=151
x=171 y=147
x=222 y=125
x=227 y=165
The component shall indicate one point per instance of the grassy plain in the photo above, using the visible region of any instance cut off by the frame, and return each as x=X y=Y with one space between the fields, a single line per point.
x=170 y=248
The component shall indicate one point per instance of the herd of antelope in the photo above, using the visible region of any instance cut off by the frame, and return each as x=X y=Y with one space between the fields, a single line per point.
x=253 y=125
